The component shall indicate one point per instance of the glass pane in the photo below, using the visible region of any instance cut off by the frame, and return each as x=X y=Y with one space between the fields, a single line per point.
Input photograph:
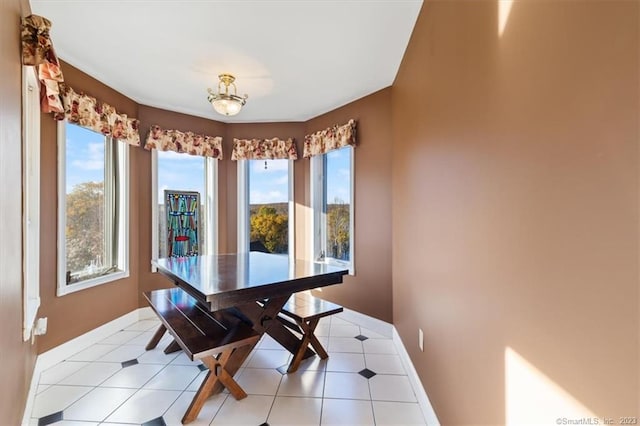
x=337 y=203
x=85 y=198
x=179 y=172
x=269 y=206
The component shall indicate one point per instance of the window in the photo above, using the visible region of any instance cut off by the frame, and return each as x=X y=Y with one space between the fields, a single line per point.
x=332 y=191
x=31 y=198
x=93 y=198
x=180 y=172
x=265 y=206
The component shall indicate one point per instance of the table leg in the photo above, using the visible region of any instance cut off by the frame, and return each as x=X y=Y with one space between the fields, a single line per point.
x=268 y=314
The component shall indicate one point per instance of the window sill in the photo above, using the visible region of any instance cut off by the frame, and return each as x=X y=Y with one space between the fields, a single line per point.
x=30 y=317
x=82 y=285
x=340 y=264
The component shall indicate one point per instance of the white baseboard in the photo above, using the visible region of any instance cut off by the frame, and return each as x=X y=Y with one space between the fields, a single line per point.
x=423 y=400
x=64 y=351
x=386 y=329
x=373 y=324
x=60 y=353
x=146 y=313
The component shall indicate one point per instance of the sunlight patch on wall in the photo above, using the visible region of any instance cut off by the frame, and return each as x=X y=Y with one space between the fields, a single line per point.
x=533 y=398
x=504 y=9
x=304 y=216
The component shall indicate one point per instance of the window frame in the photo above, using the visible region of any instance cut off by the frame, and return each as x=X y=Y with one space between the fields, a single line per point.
x=244 y=227
x=210 y=206
x=122 y=257
x=31 y=198
x=318 y=240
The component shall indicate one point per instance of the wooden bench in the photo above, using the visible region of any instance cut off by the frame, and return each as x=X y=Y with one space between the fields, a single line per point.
x=211 y=337
x=301 y=313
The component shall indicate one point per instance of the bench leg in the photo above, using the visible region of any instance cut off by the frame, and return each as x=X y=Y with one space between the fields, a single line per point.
x=299 y=355
x=173 y=347
x=156 y=337
x=308 y=337
x=217 y=375
x=227 y=380
x=200 y=397
x=314 y=340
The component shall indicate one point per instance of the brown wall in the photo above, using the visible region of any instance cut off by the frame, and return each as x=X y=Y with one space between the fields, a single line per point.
x=18 y=358
x=76 y=313
x=369 y=291
x=515 y=194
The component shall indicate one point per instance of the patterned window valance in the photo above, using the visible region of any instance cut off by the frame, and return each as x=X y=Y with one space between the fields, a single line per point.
x=37 y=50
x=329 y=139
x=264 y=149
x=187 y=142
x=86 y=111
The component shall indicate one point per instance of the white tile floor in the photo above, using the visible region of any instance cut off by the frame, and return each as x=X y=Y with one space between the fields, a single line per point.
x=117 y=382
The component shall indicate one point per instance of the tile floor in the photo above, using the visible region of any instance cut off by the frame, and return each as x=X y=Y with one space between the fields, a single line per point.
x=117 y=382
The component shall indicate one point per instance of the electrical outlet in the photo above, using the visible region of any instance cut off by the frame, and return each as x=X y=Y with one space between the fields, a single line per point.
x=421 y=340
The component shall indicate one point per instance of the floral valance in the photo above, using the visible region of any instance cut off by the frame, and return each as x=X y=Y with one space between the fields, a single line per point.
x=37 y=50
x=187 y=142
x=264 y=149
x=86 y=111
x=329 y=139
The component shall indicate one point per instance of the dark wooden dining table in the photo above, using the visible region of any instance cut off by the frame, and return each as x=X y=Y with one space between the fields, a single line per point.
x=254 y=285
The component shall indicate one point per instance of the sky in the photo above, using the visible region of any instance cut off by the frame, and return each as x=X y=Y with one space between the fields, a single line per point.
x=181 y=172
x=84 y=156
x=270 y=185
x=186 y=172
x=85 y=162
x=338 y=175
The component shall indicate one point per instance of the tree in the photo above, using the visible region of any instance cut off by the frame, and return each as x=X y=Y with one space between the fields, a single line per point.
x=270 y=228
x=338 y=230
x=85 y=225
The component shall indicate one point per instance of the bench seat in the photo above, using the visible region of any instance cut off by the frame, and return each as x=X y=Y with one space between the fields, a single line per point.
x=302 y=313
x=208 y=336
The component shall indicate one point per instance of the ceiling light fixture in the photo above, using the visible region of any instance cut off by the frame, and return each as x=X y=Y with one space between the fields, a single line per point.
x=226 y=103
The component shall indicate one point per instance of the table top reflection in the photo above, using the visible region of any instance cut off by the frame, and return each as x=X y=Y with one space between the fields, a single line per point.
x=221 y=281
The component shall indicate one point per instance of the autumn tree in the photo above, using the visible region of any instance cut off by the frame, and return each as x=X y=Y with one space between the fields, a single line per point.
x=338 y=238
x=85 y=225
x=270 y=228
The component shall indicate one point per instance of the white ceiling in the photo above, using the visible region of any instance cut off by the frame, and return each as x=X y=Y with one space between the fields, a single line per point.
x=295 y=59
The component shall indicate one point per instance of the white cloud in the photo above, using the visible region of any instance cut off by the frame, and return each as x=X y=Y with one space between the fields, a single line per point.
x=260 y=197
x=92 y=158
x=340 y=153
x=179 y=182
x=179 y=157
x=282 y=180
